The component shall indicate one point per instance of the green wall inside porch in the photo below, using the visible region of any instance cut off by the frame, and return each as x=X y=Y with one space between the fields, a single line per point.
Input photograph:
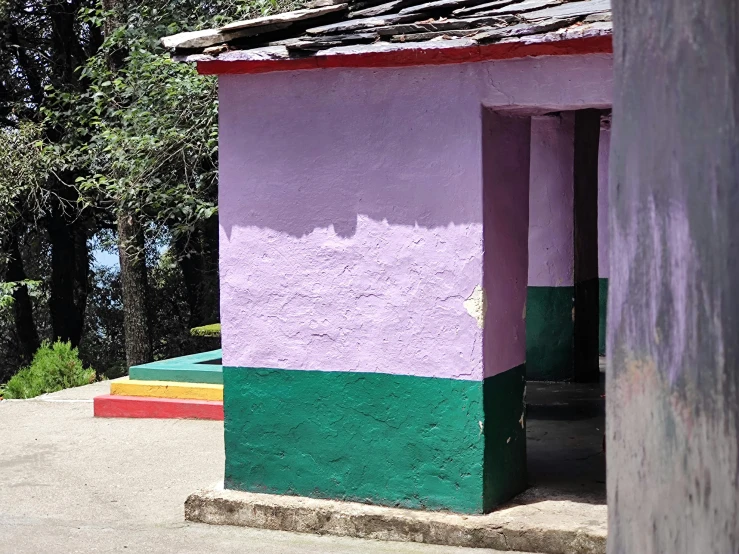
x=550 y=331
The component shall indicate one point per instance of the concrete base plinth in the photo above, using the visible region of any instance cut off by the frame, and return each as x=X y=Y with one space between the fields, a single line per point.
x=536 y=525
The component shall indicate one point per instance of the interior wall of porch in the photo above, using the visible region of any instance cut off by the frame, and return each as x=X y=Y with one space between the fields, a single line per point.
x=551 y=242
x=552 y=345
x=550 y=308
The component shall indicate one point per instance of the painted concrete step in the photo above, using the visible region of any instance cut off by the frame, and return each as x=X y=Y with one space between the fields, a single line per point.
x=196 y=368
x=167 y=389
x=109 y=405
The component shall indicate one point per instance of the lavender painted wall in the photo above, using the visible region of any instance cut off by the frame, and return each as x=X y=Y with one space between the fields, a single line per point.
x=550 y=233
x=551 y=242
x=506 y=165
x=351 y=210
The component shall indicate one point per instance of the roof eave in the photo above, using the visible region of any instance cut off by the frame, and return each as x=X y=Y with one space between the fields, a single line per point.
x=573 y=41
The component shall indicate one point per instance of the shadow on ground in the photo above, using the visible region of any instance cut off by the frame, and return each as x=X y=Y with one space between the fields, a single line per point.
x=566 y=425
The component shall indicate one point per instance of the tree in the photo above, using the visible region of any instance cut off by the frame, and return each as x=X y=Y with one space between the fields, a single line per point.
x=131 y=243
x=106 y=135
x=42 y=45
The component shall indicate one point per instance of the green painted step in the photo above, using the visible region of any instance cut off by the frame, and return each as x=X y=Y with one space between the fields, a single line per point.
x=196 y=368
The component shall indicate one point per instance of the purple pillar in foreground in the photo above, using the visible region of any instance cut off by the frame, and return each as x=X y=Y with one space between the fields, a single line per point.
x=673 y=341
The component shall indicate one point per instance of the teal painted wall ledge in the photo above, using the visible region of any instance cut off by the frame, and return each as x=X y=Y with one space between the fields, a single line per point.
x=204 y=367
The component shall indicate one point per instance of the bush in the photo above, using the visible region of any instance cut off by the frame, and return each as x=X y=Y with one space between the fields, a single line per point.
x=54 y=367
x=212 y=330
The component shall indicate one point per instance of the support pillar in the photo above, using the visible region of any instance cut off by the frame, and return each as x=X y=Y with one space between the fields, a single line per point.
x=603 y=232
x=551 y=286
x=562 y=303
x=506 y=163
x=587 y=138
x=673 y=327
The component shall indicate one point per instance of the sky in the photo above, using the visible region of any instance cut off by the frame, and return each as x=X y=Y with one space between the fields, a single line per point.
x=106 y=259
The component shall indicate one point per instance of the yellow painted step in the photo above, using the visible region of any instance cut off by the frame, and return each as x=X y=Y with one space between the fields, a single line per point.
x=166 y=389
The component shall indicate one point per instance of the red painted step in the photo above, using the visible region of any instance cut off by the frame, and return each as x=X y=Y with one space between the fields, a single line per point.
x=159 y=408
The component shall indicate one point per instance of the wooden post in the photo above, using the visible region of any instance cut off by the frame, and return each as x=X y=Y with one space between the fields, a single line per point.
x=673 y=338
x=587 y=137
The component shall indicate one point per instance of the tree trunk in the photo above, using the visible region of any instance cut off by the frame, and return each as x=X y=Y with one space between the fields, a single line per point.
x=198 y=260
x=130 y=238
x=25 y=326
x=70 y=264
x=673 y=306
x=210 y=244
x=134 y=284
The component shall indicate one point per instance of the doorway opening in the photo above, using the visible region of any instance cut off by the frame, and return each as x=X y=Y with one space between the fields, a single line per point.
x=559 y=162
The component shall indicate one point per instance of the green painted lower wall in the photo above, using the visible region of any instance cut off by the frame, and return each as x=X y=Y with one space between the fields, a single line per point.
x=549 y=333
x=396 y=440
x=603 y=306
x=504 y=474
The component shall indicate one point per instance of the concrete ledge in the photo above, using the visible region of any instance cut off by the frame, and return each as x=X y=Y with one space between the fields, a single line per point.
x=543 y=526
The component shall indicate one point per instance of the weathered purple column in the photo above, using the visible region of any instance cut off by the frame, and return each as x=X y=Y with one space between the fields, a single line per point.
x=673 y=342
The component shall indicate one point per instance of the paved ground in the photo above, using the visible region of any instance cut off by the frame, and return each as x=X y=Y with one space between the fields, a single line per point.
x=71 y=483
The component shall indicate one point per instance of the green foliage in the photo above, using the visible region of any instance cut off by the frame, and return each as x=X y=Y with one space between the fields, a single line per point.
x=25 y=161
x=103 y=340
x=82 y=139
x=212 y=330
x=7 y=290
x=54 y=367
x=144 y=134
x=170 y=312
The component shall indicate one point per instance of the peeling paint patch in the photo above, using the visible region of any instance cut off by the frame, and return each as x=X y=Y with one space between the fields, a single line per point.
x=477 y=305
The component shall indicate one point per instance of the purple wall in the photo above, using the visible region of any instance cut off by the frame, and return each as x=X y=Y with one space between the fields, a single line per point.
x=351 y=210
x=551 y=244
x=506 y=164
x=551 y=232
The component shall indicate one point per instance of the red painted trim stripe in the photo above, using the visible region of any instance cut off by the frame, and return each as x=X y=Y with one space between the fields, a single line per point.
x=404 y=58
x=156 y=408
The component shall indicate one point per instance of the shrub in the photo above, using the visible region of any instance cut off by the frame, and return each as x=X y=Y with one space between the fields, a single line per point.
x=54 y=367
x=212 y=330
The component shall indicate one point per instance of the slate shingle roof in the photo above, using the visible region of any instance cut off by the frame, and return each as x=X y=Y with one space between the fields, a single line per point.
x=330 y=28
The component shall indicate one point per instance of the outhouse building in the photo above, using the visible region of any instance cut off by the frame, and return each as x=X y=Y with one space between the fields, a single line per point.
x=409 y=219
